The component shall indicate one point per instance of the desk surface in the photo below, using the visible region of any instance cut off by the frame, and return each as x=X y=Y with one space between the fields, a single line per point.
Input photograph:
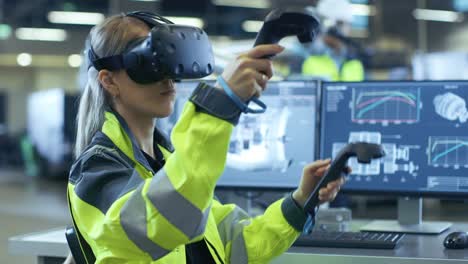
x=51 y=243
x=413 y=249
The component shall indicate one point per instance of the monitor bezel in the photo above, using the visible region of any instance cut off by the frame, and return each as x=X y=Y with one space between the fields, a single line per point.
x=380 y=192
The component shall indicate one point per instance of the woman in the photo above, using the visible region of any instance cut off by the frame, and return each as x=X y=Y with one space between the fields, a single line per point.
x=135 y=198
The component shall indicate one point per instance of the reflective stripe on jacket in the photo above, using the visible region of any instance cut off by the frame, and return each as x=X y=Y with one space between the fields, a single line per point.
x=128 y=213
x=324 y=67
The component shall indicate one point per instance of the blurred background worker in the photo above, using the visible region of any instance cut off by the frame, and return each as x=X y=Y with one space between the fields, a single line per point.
x=332 y=57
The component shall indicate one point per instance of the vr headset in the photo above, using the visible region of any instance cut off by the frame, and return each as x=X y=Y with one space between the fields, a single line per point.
x=169 y=51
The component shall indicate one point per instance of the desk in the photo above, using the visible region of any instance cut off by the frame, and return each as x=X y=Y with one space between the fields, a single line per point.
x=51 y=247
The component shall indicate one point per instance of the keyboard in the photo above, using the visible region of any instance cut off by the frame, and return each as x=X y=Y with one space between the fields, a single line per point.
x=371 y=240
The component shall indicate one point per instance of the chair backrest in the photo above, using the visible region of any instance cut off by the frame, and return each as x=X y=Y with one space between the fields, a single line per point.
x=80 y=250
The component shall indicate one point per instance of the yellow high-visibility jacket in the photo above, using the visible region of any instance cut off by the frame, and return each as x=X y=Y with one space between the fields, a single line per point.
x=324 y=66
x=128 y=213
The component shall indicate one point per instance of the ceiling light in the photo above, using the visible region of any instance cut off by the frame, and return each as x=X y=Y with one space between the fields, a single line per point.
x=80 y=18
x=190 y=21
x=362 y=10
x=24 y=59
x=437 y=15
x=252 y=25
x=41 y=34
x=243 y=3
x=75 y=60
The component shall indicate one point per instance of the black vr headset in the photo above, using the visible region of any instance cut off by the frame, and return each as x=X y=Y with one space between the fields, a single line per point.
x=169 y=51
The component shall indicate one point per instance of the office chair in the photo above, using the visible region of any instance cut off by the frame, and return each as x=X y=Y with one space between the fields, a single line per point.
x=80 y=250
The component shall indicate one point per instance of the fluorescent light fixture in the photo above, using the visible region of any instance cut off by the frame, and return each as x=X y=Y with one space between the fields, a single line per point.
x=24 y=59
x=5 y=31
x=437 y=15
x=252 y=25
x=75 y=60
x=190 y=21
x=79 y=18
x=363 y=10
x=243 y=3
x=41 y=34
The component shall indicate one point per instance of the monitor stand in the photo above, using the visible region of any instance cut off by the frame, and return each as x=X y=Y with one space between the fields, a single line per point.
x=409 y=220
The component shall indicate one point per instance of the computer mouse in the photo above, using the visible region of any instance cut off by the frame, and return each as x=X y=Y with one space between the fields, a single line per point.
x=456 y=240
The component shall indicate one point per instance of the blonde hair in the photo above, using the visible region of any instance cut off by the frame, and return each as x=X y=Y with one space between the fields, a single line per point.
x=108 y=38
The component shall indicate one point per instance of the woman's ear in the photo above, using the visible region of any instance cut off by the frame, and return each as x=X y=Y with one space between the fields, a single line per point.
x=108 y=81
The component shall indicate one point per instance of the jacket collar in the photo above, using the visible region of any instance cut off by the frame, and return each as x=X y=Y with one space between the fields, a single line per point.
x=120 y=134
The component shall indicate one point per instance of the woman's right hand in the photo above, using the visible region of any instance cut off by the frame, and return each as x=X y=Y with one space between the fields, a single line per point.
x=248 y=74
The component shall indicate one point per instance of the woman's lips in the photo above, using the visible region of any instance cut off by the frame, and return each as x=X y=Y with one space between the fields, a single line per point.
x=169 y=92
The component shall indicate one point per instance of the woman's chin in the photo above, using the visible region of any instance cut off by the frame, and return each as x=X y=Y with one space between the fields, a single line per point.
x=164 y=112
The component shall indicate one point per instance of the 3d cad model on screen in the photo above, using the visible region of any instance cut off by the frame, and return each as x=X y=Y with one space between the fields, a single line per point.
x=451 y=107
x=259 y=145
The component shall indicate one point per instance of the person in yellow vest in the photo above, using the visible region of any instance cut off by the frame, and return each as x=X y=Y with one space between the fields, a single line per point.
x=330 y=58
x=333 y=64
x=137 y=197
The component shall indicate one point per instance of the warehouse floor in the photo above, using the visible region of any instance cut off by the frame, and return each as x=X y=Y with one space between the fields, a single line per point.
x=28 y=205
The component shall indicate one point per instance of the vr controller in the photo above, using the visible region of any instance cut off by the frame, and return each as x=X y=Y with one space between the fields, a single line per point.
x=280 y=23
x=364 y=152
x=284 y=22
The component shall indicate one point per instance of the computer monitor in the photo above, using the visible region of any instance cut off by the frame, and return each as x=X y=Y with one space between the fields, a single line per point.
x=267 y=150
x=422 y=127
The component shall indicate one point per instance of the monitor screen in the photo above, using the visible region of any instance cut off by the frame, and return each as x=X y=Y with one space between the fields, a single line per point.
x=422 y=127
x=267 y=150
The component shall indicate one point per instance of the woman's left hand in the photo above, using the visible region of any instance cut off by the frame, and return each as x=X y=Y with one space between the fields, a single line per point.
x=311 y=175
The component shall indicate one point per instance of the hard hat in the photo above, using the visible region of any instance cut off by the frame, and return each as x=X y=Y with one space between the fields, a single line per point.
x=335 y=10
